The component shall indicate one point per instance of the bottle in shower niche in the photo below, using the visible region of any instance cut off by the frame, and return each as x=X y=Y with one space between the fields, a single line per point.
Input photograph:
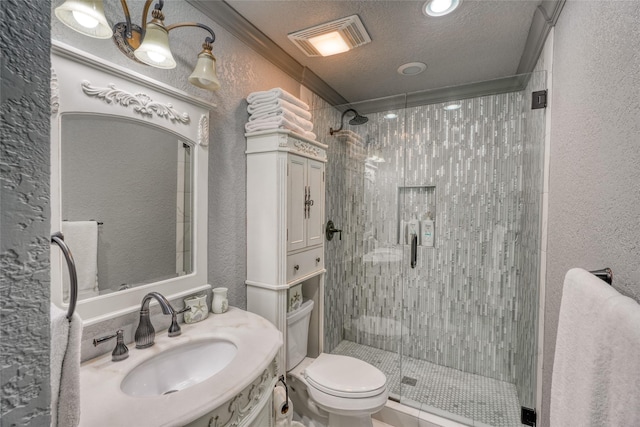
x=427 y=229
x=402 y=237
x=413 y=227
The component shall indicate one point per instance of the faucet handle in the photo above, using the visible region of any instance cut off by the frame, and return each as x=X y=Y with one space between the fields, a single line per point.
x=174 y=329
x=184 y=310
x=120 y=352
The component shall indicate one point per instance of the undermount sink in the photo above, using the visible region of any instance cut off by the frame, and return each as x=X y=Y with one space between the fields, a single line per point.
x=178 y=368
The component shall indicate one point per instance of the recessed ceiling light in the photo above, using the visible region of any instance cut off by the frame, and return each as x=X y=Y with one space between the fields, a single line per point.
x=412 y=68
x=390 y=116
x=452 y=106
x=440 y=7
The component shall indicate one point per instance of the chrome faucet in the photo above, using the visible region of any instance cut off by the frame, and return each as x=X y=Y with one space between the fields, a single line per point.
x=146 y=334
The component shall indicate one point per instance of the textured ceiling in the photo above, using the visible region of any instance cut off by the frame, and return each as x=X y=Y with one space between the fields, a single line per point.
x=481 y=40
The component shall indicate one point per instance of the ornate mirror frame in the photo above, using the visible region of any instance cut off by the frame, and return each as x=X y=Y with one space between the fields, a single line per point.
x=84 y=83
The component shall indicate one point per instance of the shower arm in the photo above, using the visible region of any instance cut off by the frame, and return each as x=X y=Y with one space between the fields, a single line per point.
x=332 y=130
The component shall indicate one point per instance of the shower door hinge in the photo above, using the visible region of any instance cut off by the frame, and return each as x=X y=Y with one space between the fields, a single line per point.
x=539 y=99
x=528 y=416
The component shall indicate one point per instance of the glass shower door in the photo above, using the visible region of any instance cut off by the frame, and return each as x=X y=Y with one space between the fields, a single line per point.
x=472 y=194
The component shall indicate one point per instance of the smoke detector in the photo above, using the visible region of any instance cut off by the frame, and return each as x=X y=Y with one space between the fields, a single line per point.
x=332 y=37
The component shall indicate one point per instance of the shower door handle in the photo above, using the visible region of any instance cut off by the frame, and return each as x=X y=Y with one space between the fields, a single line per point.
x=414 y=250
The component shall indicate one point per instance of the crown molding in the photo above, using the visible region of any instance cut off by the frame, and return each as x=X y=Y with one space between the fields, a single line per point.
x=229 y=19
x=544 y=19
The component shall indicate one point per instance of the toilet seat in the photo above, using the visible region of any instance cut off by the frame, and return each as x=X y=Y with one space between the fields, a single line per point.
x=345 y=377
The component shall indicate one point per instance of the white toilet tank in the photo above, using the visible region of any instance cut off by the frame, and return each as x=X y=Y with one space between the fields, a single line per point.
x=298 y=334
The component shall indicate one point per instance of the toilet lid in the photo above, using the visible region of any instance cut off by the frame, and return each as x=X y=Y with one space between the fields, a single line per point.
x=345 y=376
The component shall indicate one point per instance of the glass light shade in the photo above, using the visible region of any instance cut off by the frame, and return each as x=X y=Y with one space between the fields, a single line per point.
x=154 y=49
x=86 y=17
x=204 y=74
x=329 y=44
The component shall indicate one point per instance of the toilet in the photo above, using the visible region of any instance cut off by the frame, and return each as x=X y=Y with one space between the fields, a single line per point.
x=339 y=390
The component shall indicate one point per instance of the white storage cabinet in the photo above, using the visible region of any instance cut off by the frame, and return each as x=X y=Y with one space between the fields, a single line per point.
x=285 y=228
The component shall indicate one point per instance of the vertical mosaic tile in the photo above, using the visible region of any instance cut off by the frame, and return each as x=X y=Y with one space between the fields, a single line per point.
x=467 y=304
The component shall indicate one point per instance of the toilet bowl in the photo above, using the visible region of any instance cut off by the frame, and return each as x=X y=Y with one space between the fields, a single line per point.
x=342 y=389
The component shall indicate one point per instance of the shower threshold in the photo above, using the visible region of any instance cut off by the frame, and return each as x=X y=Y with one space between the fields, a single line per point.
x=449 y=393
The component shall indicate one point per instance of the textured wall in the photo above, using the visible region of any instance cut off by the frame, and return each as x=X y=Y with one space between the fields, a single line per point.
x=460 y=305
x=25 y=214
x=594 y=193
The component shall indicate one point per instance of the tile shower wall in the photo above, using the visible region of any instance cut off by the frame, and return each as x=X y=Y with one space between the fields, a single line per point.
x=325 y=117
x=459 y=306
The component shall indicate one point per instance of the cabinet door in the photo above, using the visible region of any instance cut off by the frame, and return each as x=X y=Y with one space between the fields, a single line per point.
x=296 y=221
x=315 y=216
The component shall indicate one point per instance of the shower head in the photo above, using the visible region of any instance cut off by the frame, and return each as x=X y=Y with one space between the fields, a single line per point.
x=355 y=121
x=358 y=120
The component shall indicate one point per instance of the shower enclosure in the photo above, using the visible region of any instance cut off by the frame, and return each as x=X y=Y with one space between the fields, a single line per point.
x=435 y=278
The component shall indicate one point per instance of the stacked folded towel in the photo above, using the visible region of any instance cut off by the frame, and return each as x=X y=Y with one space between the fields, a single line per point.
x=278 y=109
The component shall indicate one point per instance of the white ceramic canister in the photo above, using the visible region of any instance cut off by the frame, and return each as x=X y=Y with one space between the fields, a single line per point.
x=220 y=304
x=199 y=310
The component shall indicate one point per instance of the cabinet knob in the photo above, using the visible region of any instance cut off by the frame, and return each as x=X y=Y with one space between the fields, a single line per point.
x=296 y=267
x=318 y=259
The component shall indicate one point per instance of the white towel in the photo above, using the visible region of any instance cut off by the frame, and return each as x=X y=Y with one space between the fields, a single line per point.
x=82 y=239
x=278 y=122
x=596 y=371
x=273 y=94
x=292 y=117
x=65 y=368
x=310 y=135
x=267 y=107
x=618 y=379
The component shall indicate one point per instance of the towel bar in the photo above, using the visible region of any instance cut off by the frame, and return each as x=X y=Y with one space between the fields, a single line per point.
x=605 y=274
x=58 y=239
x=98 y=222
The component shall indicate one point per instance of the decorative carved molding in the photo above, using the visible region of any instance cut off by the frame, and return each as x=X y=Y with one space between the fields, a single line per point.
x=237 y=410
x=142 y=103
x=283 y=141
x=203 y=131
x=306 y=148
x=55 y=93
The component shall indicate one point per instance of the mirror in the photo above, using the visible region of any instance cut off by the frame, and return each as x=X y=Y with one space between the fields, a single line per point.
x=126 y=202
x=129 y=161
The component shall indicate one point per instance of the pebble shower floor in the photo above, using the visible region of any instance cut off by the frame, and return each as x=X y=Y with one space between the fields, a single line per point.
x=468 y=398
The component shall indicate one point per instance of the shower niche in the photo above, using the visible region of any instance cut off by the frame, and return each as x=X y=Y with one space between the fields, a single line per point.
x=417 y=215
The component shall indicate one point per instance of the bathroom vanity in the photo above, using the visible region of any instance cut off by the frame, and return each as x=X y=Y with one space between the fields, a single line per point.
x=239 y=394
x=285 y=229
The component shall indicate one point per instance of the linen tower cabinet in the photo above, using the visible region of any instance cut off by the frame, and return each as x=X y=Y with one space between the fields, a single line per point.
x=285 y=230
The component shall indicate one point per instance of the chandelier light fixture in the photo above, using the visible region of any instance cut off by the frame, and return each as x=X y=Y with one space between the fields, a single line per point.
x=147 y=44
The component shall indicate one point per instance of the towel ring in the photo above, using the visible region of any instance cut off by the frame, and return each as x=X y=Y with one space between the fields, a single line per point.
x=58 y=239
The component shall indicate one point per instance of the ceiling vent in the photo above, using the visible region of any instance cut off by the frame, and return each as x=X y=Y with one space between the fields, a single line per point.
x=350 y=28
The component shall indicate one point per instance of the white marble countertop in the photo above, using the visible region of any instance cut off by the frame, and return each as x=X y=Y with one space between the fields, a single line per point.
x=103 y=403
